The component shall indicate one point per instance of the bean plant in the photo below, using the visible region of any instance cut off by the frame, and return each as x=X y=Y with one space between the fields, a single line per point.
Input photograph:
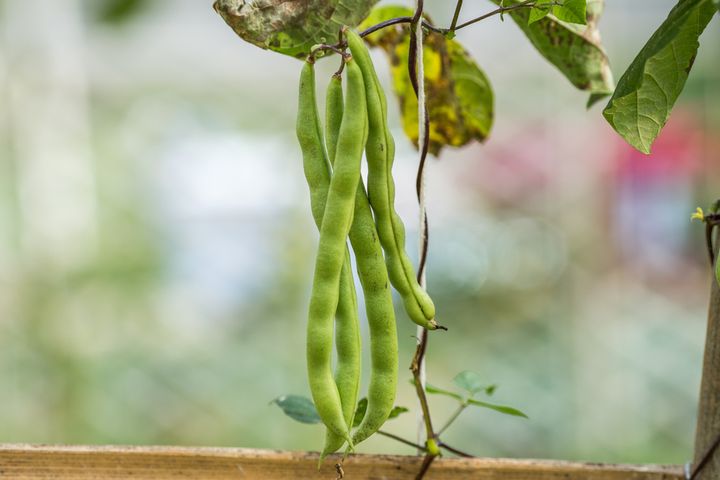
x=451 y=107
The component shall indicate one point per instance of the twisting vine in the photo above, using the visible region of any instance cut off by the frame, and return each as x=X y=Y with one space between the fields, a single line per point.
x=417 y=367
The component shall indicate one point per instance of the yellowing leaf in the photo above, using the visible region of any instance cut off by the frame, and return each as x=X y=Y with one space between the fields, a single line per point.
x=573 y=49
x=459 y=95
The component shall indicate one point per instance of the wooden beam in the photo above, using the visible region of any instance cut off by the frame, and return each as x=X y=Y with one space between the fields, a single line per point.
x=707 y=432
x=26 y=462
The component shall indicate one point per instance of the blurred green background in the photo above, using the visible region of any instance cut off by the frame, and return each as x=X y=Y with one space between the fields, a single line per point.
x=156 y=243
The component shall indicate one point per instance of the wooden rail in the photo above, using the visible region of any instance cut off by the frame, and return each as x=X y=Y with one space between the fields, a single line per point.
x=707 y=433
x=161 y=463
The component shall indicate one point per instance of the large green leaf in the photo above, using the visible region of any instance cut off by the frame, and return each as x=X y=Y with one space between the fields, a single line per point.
x=459 y=95
x=291 y=27
x=648 y=89
x=574 y=49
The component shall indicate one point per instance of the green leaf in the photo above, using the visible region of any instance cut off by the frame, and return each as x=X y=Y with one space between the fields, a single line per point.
x=469 y=381
x=459 y=96
x=472 y=383
x=360 y=412
x=594 y=98
x=298 y=408
x=440 y=391
x=397 y=411
x=498 y=408
x=362 y=409
x=539 y=11
x=715 y=207
x=648 y=89
x=572 y=11
x=291 y=28
x=575 y=50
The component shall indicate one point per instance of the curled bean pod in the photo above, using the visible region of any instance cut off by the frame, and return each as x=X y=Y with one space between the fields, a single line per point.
x=380 y=152
x=347 y=328
x=334 y=229
x=309 y=134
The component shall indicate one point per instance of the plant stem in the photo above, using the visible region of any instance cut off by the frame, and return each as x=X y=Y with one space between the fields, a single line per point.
x=416 y=72
x=415 y=367
x=427 y=461
x=457 y=452
x=525 y=4
x=419 y=388
x=458 y=7
x=398 y=21
x=712 y=220
x=402 y=440
x=453 y=26
x=453 y=417
x=386 y=23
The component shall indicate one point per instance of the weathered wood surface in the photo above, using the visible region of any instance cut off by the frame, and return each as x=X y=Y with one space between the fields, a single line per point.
x=708 y=422
x=77 y=462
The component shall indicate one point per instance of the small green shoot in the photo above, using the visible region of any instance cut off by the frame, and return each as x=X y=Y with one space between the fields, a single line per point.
x=472 y=384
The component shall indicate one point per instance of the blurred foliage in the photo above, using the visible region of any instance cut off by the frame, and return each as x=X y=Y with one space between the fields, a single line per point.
x=116 y=12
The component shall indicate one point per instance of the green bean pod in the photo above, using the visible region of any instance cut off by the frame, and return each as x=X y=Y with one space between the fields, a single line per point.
x=374 y=279
x=332 y=246
x=347 y=328
x=381 y=318
x=334 y=110
x=380 y=152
